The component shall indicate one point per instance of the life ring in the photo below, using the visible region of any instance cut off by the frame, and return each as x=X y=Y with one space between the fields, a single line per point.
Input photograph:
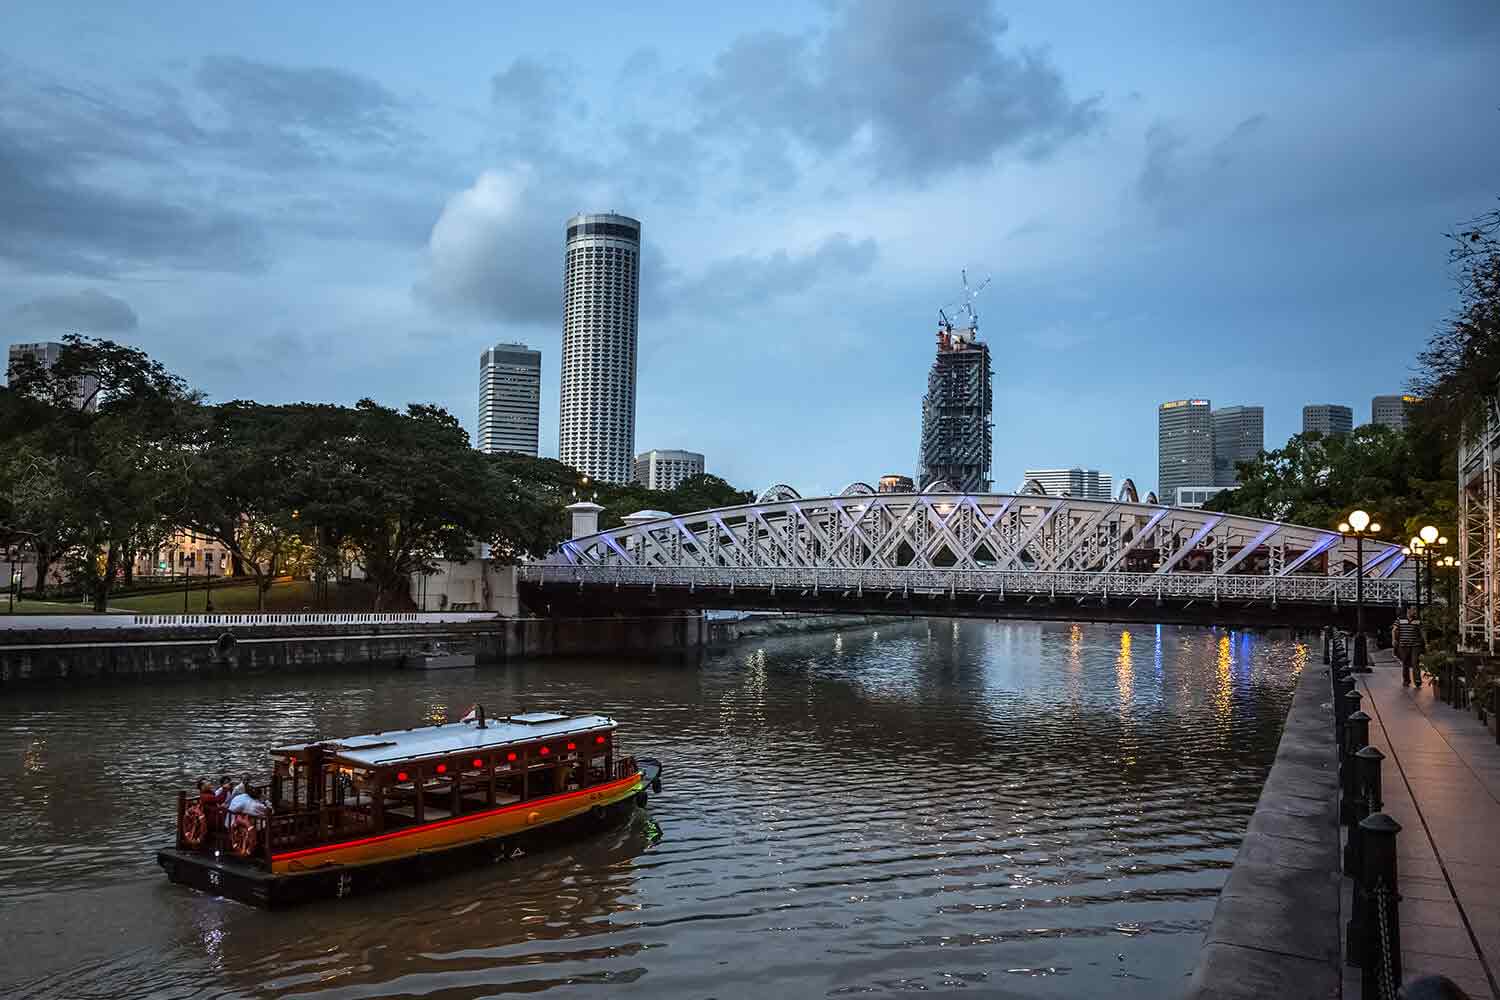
x=242 y=836
x=194 y=825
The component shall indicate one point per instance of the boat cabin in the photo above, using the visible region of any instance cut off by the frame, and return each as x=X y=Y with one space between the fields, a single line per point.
x=330 y=791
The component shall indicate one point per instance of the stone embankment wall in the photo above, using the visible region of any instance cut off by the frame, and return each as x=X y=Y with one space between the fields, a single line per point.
x=1275 y=931
x=754 y=628
x=50 y=656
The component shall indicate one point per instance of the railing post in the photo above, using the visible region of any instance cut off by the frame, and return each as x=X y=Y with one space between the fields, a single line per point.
x=1367 y=800
x=1380 y=952
x=1343 y=683
x=1327 y=645
x=1356 y=737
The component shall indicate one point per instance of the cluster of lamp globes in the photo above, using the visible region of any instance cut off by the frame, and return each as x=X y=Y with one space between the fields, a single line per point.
x=1424 y=540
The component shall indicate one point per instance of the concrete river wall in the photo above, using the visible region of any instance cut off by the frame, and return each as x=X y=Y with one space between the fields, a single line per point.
x=47 y=655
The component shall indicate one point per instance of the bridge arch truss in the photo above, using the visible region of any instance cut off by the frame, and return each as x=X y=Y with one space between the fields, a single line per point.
x=983 y=544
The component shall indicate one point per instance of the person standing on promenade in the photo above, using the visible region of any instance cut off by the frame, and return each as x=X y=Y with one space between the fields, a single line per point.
x=1409 y=646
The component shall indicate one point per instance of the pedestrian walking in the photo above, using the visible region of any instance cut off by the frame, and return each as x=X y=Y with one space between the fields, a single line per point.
x=1407 y=637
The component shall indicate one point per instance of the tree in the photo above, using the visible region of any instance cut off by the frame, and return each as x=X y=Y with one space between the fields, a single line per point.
x=1401 y=477
x=1460 y=368
x=109 y=451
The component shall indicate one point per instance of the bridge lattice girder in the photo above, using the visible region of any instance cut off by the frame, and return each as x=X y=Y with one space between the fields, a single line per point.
x=964 y=540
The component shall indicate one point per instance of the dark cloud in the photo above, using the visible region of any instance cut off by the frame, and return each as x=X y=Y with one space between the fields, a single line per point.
x=914 y=88
x=86 y=311
x=288 y=116
x=749 y=281
x=52 y=219
x=1177 y=180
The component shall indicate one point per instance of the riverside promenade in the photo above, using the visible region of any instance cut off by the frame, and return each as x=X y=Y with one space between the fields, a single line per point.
x=1441 y=782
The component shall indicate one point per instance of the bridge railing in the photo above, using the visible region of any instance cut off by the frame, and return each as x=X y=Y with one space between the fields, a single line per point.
x=1312 y=589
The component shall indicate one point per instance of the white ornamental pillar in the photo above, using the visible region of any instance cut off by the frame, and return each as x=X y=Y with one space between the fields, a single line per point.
x=585 y=518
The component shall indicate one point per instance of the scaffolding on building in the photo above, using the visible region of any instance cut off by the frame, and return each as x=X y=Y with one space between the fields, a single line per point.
x=1478 y=551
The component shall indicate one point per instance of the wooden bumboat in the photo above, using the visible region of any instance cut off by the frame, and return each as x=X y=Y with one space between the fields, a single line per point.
x=353 y=814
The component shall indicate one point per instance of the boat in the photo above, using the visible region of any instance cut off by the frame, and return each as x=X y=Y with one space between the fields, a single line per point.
x=438 y=656
x=346 y=816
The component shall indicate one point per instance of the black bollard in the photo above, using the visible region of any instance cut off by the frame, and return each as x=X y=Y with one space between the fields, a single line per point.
x=1367 y=800
x=1356 y=736
x=1343 y=683
x=1380 y=953
x=1327 y=645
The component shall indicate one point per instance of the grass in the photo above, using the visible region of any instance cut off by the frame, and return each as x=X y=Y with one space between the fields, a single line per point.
x=229 y=598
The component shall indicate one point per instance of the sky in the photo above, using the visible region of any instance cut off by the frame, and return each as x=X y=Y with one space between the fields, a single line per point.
x=332 y=201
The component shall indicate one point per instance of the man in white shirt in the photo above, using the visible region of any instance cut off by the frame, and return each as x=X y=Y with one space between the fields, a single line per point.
x=243 y=802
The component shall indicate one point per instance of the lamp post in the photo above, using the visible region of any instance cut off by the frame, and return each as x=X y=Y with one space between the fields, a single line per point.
x=1359 y=524
x=208 y=583
x=1416 y=547
x=187 y=579
x=10 y=581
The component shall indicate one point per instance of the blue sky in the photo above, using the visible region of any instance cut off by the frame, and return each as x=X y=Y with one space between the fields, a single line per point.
x=329 y=201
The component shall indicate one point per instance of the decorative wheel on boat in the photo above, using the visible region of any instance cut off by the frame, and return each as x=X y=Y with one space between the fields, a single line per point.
x=242 y=836
x=194 y=825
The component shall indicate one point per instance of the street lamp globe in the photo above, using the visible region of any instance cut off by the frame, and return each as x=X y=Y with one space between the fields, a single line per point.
x=1343 y=527
x=1359 y=520
x=1429 y=534
x=1443 y=540
x=1374 y=527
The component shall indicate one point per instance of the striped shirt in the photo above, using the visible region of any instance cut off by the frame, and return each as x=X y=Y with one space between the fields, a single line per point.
x=1409 y=633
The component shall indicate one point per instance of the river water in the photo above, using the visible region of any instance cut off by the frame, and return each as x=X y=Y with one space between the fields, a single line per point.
x=1009 y=809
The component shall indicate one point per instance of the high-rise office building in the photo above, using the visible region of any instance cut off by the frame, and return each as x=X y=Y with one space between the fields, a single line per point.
x=956 y=431
x=1239 y=436
x=1391 y=411
x=596 y=422
x=1085 y=484
x=665 y=468
x=48 y=353
x=1327 y=419
x=1184 y=446
x=510 y=399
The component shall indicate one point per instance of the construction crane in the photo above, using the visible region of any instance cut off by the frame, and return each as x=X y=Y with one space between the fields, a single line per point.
x=964 y=312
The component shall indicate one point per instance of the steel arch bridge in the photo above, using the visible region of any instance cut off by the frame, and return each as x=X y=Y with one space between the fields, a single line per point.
x=987 y=555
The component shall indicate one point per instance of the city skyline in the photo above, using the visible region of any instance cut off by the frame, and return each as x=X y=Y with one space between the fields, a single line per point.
x=233 y=200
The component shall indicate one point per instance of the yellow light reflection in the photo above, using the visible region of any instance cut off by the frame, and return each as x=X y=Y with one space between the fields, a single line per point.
x=1125 y=683
x=1222 y=699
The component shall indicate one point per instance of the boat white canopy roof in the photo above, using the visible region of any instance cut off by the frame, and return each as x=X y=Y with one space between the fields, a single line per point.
x=376 y=749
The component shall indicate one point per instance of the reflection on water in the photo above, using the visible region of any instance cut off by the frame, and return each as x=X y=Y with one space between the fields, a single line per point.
x=1012 y=807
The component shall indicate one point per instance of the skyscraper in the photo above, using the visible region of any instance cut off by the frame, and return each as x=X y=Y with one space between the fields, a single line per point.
x=1327 y=419
x=596 y=422
x=1390 y=411
x=665 y=468
x=1184 y=446
x=1086 y=484
x=1239 y=435
x=956 y=433
x=510 y=399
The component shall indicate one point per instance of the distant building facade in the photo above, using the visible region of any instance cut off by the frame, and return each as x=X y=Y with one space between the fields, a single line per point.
x=956 y=432
x=510 y=399
x=1086 y=484
x=1197 y=496
x=1239 y=436
x=1184 y=445
x=48 y=353
x=1327 y=419
x=1391 y=411
x=665 y=468
x=896 y=483
x=596 y=419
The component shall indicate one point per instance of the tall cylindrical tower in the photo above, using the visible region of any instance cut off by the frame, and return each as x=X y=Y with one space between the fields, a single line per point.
x=597 y=420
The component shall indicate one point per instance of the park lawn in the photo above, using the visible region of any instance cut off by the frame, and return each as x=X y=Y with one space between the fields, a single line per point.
x=239 y=598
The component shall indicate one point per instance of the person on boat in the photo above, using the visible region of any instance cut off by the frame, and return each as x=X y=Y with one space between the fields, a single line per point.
x=245 y=802
x=208 y=798
x=224 y=792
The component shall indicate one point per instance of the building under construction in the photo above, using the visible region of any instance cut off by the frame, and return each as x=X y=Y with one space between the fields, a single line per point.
x=1479 y=532
x=956 y=429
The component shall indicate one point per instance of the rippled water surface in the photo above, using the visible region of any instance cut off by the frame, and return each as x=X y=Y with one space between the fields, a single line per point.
x=1010 y=809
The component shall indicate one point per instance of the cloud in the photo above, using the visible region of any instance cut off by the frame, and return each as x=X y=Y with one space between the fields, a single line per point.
x=482 y=254
x=56 y=221
x=1177 y=180
x=913 y=90
x=86 y=311
x=748 y=281
x=289 y=116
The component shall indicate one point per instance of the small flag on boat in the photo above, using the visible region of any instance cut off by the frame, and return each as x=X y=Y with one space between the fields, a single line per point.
x=473 y=715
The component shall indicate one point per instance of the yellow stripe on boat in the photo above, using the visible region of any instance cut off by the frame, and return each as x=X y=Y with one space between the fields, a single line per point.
x=504 y=821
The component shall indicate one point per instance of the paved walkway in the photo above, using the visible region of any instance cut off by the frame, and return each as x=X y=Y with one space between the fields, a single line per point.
x=1441 y=782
